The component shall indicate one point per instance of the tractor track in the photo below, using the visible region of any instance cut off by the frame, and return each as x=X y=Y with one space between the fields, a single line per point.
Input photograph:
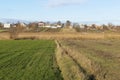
x=81 y=69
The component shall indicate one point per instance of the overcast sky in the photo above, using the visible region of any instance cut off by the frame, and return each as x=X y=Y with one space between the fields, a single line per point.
x=54 y=10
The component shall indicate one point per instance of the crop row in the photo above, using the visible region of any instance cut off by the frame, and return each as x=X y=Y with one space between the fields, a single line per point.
x=28 y=60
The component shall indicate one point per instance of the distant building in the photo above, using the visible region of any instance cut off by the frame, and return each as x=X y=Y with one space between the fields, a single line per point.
x=48 y=25
x=53 y=27
x=82 y=26
x=23 y=24
x=59 y=26
x=7 y=25
x=41 y=24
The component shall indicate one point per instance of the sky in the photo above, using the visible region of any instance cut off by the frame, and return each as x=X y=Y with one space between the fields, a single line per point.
x=55 y=10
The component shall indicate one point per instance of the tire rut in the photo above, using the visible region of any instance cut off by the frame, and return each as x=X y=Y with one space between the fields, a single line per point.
x=81 y=69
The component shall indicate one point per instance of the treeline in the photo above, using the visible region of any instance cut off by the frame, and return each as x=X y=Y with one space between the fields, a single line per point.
x=15 y=29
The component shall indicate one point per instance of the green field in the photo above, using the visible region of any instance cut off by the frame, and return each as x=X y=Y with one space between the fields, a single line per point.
x=28 y=60
x=77 y=59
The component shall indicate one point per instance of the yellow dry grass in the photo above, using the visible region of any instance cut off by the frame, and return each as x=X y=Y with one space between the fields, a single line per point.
x=69 y=68
x=91 y=67
x=89 y=55
x=4 y=36
x=61 y=35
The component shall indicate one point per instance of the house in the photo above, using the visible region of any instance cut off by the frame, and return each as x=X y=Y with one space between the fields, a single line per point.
x=7 y=25
x=41 y=24
x=53 y=26
x=82 y=26
x=58 y=25
x=48 y=26
x=23 y=24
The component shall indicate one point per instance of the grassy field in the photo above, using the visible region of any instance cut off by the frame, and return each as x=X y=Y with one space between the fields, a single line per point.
x=79 y=56
x=28 y=60
x=90 y=59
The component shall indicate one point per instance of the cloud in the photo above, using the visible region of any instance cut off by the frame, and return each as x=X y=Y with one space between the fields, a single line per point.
x=57 y=3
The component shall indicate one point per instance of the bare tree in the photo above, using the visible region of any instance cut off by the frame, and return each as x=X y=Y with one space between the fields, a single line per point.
x=33 y=26
x=15 y=29
x=1 y=25
x=105 y=27
x=94 y=26
x=111 y=26
x=63 y=25
x=13 y=32
x=68 y=24
x=76 y=25
x=59 y=23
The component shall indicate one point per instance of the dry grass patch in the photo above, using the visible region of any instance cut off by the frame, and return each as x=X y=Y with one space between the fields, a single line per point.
x=98 y=57
x=69 y=70
x=62 y=35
